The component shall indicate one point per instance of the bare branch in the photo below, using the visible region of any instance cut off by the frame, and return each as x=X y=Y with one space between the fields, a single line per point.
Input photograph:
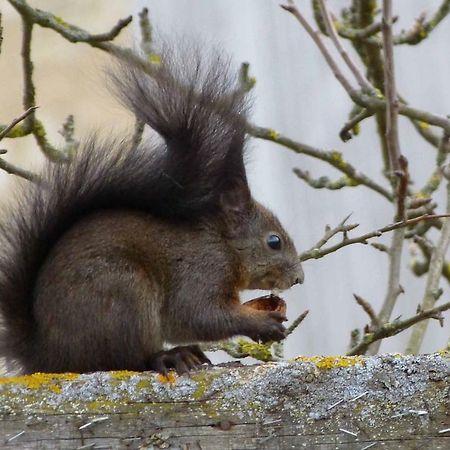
x=14 y=170
x=367 y=307
x=393 y=328
x=398 y=163
x=112 y=34
x=291 y=8
x=360 y=78
x=345 y=134
x=372 y=102
x=331 y=232
x=316 y=253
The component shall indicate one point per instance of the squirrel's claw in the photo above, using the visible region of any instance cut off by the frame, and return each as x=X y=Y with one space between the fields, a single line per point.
x=183 y=359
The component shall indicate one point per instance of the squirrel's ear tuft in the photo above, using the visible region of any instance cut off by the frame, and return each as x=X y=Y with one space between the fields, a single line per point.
x=235 y=200
x=235 y=204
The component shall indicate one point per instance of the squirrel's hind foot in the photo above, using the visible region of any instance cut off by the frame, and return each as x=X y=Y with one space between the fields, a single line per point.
x=183 y=359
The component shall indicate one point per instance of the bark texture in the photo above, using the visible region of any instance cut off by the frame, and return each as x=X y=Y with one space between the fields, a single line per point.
x=388 y=401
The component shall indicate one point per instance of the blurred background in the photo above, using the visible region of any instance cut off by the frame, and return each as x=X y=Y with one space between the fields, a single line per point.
x=295 y=94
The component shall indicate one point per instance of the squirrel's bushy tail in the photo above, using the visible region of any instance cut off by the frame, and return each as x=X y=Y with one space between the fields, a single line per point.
x=199 y=110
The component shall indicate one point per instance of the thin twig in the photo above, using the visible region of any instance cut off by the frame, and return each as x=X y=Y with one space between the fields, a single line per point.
x=315 y=36
x=19 y=119
x=330 y=232
x=367 y=307
x=325 y=182
x=360 y=78
x=112 y=34
x=296 y=322
x=14 y=170
x=393 y=328
x=345 y=134
x=316 y=253
x=422 y=27
x=393 y=289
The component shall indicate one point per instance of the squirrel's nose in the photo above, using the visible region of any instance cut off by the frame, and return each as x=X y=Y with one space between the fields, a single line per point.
x=300 y=276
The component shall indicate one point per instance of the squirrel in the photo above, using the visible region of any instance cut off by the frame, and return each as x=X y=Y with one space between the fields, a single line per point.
x=127 y=249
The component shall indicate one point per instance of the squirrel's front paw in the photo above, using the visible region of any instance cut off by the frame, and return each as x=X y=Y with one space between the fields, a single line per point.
x=269 y=327
x=182 y=359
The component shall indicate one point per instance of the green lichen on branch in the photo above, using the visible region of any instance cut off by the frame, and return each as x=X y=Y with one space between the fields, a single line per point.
x=325 y=182
x=334 y=158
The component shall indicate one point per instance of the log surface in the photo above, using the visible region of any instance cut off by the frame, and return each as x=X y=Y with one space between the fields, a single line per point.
x=389 y=401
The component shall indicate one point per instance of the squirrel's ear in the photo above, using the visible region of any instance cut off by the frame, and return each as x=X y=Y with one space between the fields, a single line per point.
x=235 y=203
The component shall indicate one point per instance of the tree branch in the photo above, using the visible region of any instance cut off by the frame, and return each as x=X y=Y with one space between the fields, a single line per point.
x=316 y=252
x=19 y=119
x=434 y=276
x=333 y=158
x=14 y=170
x=360 y=78
x=393 y=328
x=325 y=182
x=354 y=121
x=70 y=32
x=361 y=98
x=422 y=27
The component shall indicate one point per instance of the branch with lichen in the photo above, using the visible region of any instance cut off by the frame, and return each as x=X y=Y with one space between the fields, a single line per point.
x=334 y=158
x=373 y=101
x=31 y=16
x=352 y=125
x=423 y=27
x=5 y=165
x=242 y=348
x=420 y=266
x=434 y=275
x=317 y=251
x=70 y=32
x=419 y=31
x=435 y=179
x=396 y=327
x=325 y=182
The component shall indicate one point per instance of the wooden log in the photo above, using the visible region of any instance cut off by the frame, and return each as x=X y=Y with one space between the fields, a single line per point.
x=388 y=401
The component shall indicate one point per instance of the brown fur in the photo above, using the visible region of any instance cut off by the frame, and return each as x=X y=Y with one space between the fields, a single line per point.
x=126 y=249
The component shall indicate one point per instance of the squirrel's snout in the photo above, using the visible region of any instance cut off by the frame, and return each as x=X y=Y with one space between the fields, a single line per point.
x=300 y=276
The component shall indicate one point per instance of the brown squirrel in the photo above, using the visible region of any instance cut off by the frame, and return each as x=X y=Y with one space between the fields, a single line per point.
x=126 y=249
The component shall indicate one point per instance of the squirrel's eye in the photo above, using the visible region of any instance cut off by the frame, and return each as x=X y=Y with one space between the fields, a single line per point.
x=274 y=242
